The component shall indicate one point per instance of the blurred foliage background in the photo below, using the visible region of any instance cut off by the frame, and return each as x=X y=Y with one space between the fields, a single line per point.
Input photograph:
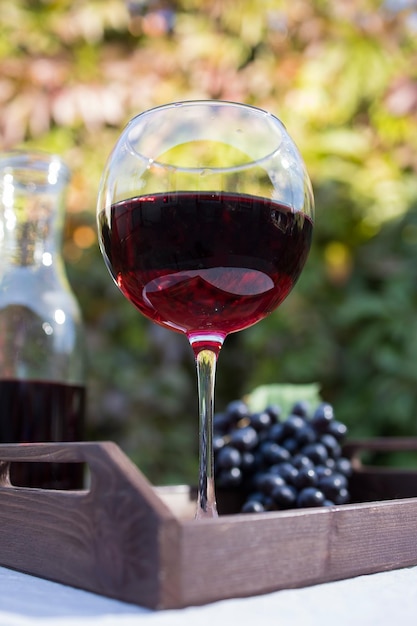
x=342 y=75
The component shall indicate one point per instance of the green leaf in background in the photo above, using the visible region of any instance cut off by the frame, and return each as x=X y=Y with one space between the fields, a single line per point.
x=283 y=395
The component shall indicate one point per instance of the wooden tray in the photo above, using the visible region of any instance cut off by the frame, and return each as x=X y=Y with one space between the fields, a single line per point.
x=126 y=539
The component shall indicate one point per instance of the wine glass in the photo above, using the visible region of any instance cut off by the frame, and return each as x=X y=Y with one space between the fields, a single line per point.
x=205 y=218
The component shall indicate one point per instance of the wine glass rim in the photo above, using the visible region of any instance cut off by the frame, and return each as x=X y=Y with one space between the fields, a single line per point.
x=205 y=102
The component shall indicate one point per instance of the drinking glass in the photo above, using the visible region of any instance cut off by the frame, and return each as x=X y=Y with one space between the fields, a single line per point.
x=205 y=218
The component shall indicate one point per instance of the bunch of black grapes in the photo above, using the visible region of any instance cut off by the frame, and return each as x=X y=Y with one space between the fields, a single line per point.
x=281 y=463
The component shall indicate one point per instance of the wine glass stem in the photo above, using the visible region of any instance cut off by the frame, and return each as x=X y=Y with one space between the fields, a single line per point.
x=206 y=361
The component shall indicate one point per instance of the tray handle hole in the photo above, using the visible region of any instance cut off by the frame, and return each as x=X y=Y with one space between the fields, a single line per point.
x=51 y=476
x=398 y=459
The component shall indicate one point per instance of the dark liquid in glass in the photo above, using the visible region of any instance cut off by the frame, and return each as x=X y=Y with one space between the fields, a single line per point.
x=205 y=262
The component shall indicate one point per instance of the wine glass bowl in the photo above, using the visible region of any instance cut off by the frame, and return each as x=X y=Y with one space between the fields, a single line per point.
x=205 y=218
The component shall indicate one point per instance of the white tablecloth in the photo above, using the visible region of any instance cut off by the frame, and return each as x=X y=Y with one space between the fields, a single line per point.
x=388 y=598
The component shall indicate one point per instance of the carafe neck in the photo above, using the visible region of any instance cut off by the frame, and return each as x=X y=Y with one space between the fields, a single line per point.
x=32 y=195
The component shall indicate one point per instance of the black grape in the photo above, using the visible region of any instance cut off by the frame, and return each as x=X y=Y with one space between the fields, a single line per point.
x=278 y=462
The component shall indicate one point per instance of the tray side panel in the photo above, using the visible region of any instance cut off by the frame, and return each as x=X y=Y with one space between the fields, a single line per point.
x=373 y=537
x=248 y=555
x=245 y=555
x=105 y=540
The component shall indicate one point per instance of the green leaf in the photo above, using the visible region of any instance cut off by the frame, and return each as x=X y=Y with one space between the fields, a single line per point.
x=283 y=395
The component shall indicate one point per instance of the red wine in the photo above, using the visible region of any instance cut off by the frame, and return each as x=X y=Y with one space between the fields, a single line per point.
x=33 y=411
x=207 y=262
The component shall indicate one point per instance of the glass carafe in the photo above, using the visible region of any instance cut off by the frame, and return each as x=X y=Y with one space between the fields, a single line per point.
x=42 y=377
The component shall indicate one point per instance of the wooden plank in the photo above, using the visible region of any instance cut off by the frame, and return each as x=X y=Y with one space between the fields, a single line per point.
x=251 y=554
x=373 y=537
x=255 y=554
